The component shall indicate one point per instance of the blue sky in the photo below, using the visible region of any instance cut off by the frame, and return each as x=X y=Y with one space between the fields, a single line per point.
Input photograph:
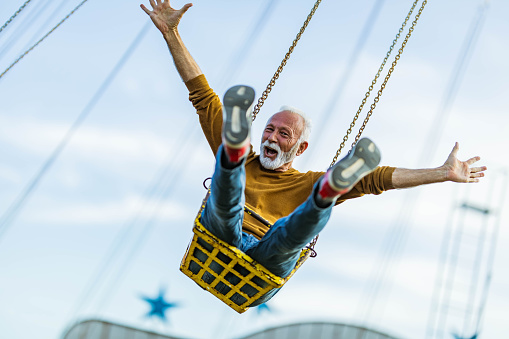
x=111 y=218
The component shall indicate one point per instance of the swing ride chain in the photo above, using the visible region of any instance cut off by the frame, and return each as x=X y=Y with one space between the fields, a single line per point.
x=382 y=87
x=311 y=247
x=42 y=39
x=14 y=15
x=272 y=82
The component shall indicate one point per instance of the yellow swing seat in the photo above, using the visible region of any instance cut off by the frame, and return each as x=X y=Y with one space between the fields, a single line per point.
x=227 y=272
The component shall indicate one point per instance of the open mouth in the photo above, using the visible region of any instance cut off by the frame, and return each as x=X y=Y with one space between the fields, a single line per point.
x=270 y=152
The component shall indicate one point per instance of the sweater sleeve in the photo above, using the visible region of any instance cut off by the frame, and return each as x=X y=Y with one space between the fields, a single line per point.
x=376 y=182
x=209 y=109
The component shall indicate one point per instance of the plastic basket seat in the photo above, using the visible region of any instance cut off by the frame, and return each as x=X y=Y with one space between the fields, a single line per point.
x=227 y=272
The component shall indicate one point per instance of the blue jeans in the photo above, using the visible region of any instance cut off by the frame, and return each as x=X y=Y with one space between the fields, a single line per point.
x=279 y=249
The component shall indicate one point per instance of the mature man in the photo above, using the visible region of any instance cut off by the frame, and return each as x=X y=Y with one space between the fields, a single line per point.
x=298 y=205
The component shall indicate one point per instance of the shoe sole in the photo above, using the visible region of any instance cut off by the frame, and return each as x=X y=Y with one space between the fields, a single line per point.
x=236 y=102
x=363 y=160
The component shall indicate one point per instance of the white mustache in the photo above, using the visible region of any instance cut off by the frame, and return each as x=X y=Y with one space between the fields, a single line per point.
x=272 y=145
x=281 y=157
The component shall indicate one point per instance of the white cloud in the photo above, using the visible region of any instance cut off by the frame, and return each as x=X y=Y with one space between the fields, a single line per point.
x=41 y=137
x=73 y=213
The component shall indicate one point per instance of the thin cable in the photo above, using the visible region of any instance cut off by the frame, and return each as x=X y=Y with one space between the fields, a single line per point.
x=440 y=118
x=239 y=57
x=42 y=39
x=396 y=238
x=272 y=82
x=167 y=192
x=351 y=64
x=385 y=81
x=451 y=273
x=23 y=26
x=468 y=46
x=8 y=217
x=152 y=193
x=478 y=260
x=437 y=294
x=455 y=81
x=45 y=24
x=14 y=15
x=491 y=256
x=372 y=289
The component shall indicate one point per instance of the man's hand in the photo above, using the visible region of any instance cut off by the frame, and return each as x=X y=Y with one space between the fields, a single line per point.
x=452 y=170
x=460 y=171
x=164 y=17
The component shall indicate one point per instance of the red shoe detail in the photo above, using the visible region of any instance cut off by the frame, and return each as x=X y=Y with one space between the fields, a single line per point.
x=326 y=191
x=235 y=155
x=342 y=177
x=236 y=122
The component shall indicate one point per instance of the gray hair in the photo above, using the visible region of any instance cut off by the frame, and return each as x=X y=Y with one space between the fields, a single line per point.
x=306 y=131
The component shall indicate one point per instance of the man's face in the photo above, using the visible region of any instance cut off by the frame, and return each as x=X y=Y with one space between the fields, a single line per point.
x=280 y=140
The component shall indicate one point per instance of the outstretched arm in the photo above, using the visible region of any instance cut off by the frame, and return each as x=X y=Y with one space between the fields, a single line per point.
x=452 y=170
x=166 y=19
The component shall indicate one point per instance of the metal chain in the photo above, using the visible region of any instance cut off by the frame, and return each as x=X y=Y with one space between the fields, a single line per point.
x=311 y=246
x=382 y=87
x=272 y=82
x=44 y=37
x=14 y=15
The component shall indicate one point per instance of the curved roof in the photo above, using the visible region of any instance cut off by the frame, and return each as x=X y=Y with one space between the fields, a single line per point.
x=93 y=329
x=319 y=330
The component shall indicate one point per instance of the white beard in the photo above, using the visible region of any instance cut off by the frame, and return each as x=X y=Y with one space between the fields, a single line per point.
x=281 y=157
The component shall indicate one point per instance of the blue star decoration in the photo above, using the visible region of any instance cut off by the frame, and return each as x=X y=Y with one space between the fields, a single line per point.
x=159 y=306
x=263 y=308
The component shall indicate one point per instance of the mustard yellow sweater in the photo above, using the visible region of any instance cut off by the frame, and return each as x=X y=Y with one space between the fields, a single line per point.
x=271 y=194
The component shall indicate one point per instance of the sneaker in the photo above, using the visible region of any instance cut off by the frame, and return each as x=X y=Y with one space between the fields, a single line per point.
x=236 y=122
x=341 y=177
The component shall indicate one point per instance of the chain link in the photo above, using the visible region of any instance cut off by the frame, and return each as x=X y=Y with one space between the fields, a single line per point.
x=373 y=82
x=44 y=37
x=14 y=15
x=311 y=246
x=272 y=82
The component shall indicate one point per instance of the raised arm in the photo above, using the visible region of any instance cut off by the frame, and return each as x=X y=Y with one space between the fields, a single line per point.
x=166 y=19
x=452 y=170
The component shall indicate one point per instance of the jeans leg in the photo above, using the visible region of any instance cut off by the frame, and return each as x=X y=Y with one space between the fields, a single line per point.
x=224 y=211
x=280 y=247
